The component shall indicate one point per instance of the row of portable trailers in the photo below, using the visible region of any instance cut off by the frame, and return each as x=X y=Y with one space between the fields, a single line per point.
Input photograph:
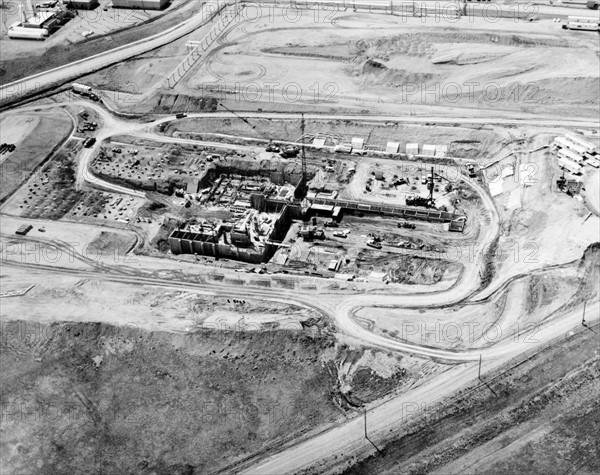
x=573 y=150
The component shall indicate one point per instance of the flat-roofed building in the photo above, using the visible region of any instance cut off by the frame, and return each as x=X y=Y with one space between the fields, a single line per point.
x=141 y=4
x=81 y=4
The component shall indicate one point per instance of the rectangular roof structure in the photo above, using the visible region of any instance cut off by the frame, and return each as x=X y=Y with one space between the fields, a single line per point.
x=496 y=187
x=358 y=143
x=578 y=139
x=392 y=147
x=319 y=143
x=428 y=150
x=441 y=150
x=322 y=207
x=576 y=147
x=39 y=18
x=507 y=171
x=570 y=154
x=412 y=148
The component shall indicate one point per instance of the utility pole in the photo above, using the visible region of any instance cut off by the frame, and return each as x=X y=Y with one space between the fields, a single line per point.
x=583 y=316
x=479 y=375
x=366 y=436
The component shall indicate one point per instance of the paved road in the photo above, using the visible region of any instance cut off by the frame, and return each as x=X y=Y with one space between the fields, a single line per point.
x=348 y=439
x=39 y=82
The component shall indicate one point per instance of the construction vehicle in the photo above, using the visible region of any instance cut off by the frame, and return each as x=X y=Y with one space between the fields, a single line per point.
x=331 y=224
x=81 y=89
x=273 y=148
x=89 y=142
x=290 y=151
x=407 y=225
x=374 y=244
x=340 y=234
x=85 y=91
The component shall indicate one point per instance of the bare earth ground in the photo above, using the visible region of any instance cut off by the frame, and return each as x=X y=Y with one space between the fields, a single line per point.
x=473 y=63
x=36 y=137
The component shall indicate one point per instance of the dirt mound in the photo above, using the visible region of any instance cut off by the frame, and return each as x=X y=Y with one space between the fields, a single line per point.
x=589 y=266
x=171 y=103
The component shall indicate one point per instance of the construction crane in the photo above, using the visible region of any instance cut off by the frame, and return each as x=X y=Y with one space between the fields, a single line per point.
x=302 y=127
x=253 y=127
x=431 y=186
x=302 y=187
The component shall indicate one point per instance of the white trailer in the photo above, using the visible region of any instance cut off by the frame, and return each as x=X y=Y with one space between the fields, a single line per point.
x=569 y=165
x=22 y=33
x=568 y=144
x=577 y=139
x=586 y=26
x=583 y=19
x=570 y=154
x=343 y=148
x=82 y=89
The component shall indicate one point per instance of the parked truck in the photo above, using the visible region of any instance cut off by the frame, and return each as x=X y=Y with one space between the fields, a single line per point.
x=85 y=91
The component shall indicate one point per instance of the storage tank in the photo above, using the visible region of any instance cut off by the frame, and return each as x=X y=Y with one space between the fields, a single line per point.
x=19 y=32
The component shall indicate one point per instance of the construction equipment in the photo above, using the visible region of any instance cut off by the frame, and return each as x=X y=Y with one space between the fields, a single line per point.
x=290 y=151
x=85 y=91
x=407 y=225
x=273 y=148
x=374 y=244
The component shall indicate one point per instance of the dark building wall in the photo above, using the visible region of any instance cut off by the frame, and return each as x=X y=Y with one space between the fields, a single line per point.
x=140 y=4
x=81 y=5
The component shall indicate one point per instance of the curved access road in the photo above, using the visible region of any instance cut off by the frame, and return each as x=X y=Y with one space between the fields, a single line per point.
x=17 y=90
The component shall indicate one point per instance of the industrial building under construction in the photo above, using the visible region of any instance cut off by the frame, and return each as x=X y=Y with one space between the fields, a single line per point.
x=38 y=25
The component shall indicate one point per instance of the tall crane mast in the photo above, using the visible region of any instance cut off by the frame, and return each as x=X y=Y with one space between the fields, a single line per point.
x=302 y=126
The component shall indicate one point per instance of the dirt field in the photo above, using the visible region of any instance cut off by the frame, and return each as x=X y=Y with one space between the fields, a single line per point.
x=436 y=60
x=36 y=137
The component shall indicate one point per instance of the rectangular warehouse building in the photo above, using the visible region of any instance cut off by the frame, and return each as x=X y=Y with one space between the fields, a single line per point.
x=81 y=4
x=141 y=4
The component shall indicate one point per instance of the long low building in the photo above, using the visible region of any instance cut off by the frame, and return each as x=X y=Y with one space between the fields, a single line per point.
x=570 y=154
x=141 y=4
x=564 y=143
x=578 y=139
x=570 y=165
x=81 y=4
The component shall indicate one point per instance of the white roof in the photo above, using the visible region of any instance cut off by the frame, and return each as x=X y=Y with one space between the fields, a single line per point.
x=565 y=152
x=319 y=143
x=392 y=147
x=441 y=150
x=412 y=146
x=580 y=140
x=40 y=18
x=428 y=149
x=358 y=142
x=496 y=187
x=508 y=171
